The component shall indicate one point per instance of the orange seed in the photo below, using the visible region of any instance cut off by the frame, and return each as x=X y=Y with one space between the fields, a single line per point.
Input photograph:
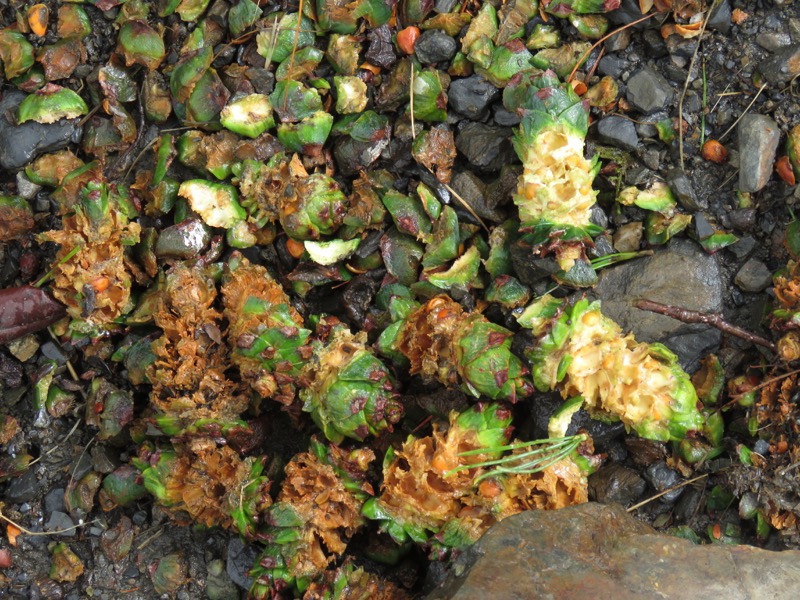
x=38 y=16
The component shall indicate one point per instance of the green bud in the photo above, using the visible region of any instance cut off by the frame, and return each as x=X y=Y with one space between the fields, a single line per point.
x=408 y=214
x=300 y=65
x=15 y=52
x=188 y=71
x=351 y=94
x=402 y=256
x=141 y=44
x=73 y=22
x=505 y=62
x=312 y=207
x=16 y=217
x=206 y=101
x=190 y=10
x=308 y=136
x=563 y=59
x=169 y=572
x=66 y=565
x=242 y=16
x=293 y=101
x=343 y=53
x=659 y=229
x=217 y=203
x=657 y=197
x=283 y=36
x=543 y=36
x=250 y=115
x=121 y=488
x=444 y=242
x=430 y=99
x=508 y=291
x=50 y=104
x=156 y=97
x=590 y=27
x=79 y=496
x=484 y=25
x=462 y=274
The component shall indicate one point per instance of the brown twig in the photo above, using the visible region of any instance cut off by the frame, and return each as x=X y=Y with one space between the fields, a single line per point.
x=715 y=320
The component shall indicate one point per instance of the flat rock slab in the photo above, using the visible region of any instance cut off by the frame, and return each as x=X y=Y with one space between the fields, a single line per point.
x=599 y=551
x=681 y=275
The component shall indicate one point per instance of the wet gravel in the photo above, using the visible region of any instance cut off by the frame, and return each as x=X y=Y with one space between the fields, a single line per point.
x=721 y=83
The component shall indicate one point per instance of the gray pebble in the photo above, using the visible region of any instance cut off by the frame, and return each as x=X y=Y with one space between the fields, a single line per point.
x=754 y=276
x=470 y=96
x=758 y=142
x=618 y=132
x=435 y=46
x=648 y=91
x=662 y=478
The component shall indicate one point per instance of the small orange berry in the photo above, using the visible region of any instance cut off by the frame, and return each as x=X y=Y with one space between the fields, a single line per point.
x=714 y=151
x=295 y=248
x=38 y=16
x=784 y=169
x=407 y=39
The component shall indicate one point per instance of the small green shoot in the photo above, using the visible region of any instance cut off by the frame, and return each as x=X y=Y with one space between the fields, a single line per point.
x=544 y=454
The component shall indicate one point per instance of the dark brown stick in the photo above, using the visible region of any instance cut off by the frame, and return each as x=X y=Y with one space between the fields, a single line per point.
x=691 y=316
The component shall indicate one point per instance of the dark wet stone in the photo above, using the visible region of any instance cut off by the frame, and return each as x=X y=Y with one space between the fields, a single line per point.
x=184 y=240
x=25 y=187
x=19 y=144
x=470 y=96
x=241 y=558
x=53 y=352
x=654 y=44
x=683 y=189
x=24 y=488
x=54 y=501
x=681 y=48
x=612 y=65
x=618 y=132
x=743 y=219
x=682 y=275
x=485 y=147
x=628 y=11
x=743 y=248
x=60 y=521
x=504 y=117
x=435 y=46
x=648 y=91
x=619 y=41
x=474 y=192
x=782 y=67
x=758 y=142
x=616 y=483
x=662 y=478
x=599 y=551
x=720 y=18
x=444 y=6
x=754 y=276
x=688 y=505
x=702 y=227
x=10 y=371
x=773 y=41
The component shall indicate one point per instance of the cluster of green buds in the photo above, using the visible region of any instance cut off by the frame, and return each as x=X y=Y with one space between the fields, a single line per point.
x=191 y=391
x=314 y=517
x=448 y=488
x=210 y=483
x=459 y=349
x=554 y=193
x=349 y=391
x=91 y=276
x=270 y=345
x=584 y=353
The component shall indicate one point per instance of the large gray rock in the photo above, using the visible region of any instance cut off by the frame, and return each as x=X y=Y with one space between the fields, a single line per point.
x=681 y=275
x=758 y=142
x=649 y=91
x=486 y=148
x=598 y=551
x=19 y=144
